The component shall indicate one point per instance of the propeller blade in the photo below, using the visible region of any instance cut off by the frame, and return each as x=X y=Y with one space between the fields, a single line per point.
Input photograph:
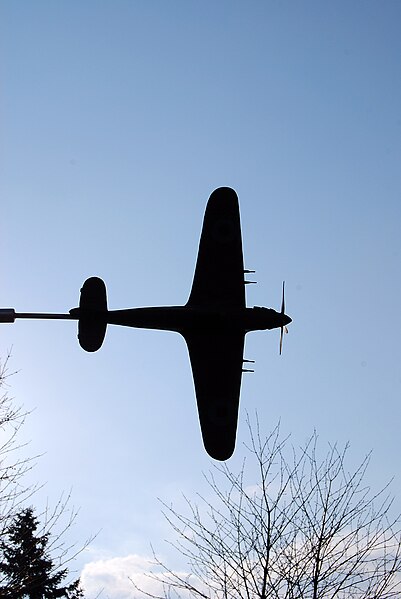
x=282 y=328
x=283 y=300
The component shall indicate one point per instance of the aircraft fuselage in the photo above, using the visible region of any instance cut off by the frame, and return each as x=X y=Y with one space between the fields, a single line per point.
x=185 y=318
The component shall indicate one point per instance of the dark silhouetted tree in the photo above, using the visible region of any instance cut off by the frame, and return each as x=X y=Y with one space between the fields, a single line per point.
x=27 y=566
x=299 y=528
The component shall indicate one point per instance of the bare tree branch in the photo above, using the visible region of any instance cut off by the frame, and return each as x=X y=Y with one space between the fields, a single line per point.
x=307 y=529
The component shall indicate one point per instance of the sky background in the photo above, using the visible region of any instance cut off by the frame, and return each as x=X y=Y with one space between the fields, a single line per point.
x=118 y=119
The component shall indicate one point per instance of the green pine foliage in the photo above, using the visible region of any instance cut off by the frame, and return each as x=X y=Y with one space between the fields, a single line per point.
x=27 y=568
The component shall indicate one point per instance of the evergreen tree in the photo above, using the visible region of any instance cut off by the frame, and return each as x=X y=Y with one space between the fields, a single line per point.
x=26 y=565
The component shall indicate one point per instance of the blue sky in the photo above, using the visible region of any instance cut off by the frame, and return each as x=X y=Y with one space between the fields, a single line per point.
x=118 y=120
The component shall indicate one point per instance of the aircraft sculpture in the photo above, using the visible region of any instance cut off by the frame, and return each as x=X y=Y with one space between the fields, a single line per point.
x=213 y=322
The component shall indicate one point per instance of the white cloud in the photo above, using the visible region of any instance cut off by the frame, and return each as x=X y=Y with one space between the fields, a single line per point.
x=112 y=577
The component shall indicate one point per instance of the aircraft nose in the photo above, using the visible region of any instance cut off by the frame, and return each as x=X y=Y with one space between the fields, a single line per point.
x=286 y=319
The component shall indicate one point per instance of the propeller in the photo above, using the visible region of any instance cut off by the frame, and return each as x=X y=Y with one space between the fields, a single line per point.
x=283 y=328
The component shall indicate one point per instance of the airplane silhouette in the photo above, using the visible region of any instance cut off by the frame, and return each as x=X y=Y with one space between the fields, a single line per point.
x=213 y=322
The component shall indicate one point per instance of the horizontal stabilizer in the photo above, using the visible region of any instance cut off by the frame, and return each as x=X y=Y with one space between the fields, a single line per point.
x=92 y=321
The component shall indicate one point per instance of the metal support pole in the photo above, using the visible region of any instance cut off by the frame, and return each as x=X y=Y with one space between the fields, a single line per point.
x=10 y=315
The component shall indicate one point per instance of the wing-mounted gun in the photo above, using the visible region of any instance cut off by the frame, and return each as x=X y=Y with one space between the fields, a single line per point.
x=246 y=271
x=92 y=314
x=248 y=369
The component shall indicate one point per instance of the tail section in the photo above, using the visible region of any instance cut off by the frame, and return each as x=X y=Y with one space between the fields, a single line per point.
x=92 y=312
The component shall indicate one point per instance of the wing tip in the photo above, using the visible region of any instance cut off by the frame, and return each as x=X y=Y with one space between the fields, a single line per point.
x=227 y=193
x=219 y=445
x=220 y=456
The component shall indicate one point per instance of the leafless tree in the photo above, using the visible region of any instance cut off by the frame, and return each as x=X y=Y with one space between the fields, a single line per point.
x=307 y=529
x=55 y=522
x=13 y=463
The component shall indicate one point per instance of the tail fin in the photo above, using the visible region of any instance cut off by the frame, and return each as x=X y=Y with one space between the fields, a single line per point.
x=92 y=321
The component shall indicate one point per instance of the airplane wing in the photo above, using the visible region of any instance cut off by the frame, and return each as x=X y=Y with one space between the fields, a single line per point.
x=216 y=360
x=219 y=272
